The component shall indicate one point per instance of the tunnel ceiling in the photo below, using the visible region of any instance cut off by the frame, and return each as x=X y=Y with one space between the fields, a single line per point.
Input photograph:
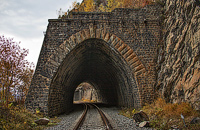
x=95 y=62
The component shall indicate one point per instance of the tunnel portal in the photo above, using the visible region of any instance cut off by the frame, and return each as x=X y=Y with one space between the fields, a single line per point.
x=116 y=52
x=95 y=62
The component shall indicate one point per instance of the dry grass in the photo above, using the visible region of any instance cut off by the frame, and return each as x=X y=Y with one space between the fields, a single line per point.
x=18 y=118
x=128 y=112
x=164 y=115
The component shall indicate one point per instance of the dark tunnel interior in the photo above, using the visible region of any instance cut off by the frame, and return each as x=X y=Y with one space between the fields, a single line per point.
x=97 y=63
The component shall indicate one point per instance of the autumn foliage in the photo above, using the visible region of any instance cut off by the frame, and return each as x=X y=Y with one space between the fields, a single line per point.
x=163 y=115
x=108 y=5
x=15 y=71
x=18 y=118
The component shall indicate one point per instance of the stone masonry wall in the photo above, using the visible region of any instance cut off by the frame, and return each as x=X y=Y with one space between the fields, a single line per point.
x=139 y=29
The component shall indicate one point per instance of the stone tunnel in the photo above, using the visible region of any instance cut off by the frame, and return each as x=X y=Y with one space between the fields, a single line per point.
x=93 y=61
x=114 y=52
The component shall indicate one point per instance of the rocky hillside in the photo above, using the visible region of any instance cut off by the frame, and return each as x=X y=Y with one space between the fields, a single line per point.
x=179 y=56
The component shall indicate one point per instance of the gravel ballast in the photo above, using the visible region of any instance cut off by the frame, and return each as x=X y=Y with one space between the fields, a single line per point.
x=119 y=122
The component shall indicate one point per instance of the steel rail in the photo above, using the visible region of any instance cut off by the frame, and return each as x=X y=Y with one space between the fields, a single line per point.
x=81 y=120
x=104 y=118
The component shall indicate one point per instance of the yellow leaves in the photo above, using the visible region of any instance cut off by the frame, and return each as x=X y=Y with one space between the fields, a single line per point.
x=92 y=6
x=128 y=112
x=89 y=6
x=102 y=8
x=9 y=105
x=88 y=100
x=133 y=111
x=112 y=4
x=37 y=111
x=93 y=101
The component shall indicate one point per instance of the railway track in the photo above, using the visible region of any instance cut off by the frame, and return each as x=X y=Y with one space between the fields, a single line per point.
x=106 y=122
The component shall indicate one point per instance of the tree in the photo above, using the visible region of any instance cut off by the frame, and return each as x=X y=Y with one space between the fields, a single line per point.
x=135 y=3
x=111 y=4
x=75 y=6
x=108 y=5
x=15 y=71
x=89 y=6
x=129 y=3
x=102 y=8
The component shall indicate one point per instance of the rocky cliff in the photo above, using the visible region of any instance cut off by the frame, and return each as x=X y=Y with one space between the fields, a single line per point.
x=179 y=55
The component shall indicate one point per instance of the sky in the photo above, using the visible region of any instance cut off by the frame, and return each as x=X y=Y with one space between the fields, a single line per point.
x=26 y=20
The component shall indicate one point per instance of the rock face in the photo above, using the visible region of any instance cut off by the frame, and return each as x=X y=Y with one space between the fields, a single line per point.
x=179 y=57
x=195 y=120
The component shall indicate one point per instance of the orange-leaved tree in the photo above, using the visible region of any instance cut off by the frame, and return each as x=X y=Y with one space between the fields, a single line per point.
x=15 y=71
x=108 y=5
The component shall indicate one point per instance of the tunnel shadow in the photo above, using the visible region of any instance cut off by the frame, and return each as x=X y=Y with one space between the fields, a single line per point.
x=96 y=62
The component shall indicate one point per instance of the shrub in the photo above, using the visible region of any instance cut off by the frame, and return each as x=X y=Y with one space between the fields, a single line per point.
x=17 y=117
x=163 y=115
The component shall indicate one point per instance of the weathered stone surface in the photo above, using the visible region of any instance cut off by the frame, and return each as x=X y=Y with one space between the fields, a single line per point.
x=144 y=124
x=103 y=49
x=128 y=37
x=42 y=121
x=195 y=120
x=179 y=57
x=140 y=117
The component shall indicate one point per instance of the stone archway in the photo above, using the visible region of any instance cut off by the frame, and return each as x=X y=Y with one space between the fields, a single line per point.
x=137 y=67
x=133 y=68
x=129 y=39
x=95 y=62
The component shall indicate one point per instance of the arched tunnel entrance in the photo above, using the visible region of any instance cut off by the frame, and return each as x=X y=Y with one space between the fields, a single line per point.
x=85 y=92
x=98 y=63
